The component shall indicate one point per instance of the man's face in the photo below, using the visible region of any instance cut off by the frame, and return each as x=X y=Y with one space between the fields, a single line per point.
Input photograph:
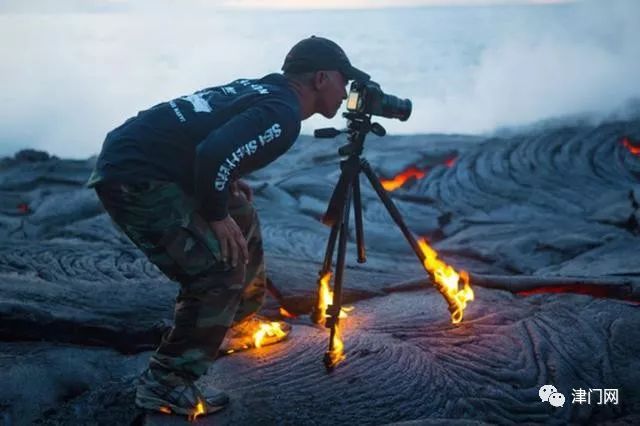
x=332 y=90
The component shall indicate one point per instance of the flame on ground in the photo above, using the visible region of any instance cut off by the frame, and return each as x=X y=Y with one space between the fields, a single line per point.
x=267 y=329
x=286 y=313
x=635 y=150
x=165 y=410
x=400 y=179
x=197 y=411
x=447 y=281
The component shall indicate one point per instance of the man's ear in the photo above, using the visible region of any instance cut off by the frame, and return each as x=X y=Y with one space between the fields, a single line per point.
x=320 y=80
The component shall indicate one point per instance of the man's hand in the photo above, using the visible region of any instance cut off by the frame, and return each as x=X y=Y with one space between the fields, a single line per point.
x=232 y=242
x=241 y=186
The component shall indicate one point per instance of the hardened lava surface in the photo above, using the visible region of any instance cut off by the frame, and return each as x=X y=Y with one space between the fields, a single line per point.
x=406 y=361
x=523 y=212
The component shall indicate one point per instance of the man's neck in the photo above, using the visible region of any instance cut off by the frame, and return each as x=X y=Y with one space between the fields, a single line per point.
x=305 y=98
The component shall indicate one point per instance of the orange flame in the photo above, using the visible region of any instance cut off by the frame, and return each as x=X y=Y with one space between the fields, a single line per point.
x=337 y=354
x=198 y=410
x=165 y=410
x=447 y=281
x=325 y=298
x=286 y=314
x=635 y=150
x=325 y=295
x=267 y=329
x=399 y=180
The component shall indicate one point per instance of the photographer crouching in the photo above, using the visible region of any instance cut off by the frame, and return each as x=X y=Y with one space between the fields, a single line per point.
x=169 y=178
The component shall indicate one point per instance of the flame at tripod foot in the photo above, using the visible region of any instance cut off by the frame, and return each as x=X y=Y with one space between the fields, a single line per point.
x=325 y=300
x=447 y=281
x=335 y=356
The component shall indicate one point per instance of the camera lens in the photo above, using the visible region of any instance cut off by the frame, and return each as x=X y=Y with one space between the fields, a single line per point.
x=394 y=107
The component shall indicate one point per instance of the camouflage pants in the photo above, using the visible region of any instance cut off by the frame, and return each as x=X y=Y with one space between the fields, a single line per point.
x=163 y=222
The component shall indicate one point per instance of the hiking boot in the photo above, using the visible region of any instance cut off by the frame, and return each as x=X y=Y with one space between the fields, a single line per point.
x=178 y=396
x=254 y=332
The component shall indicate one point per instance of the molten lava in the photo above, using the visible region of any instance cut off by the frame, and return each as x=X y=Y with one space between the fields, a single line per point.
x=593 y=290
x=24 y=208
x=634 y=149
x=267 y=329
x=412 y=172
x=449 y=162
x=447 y=281
x=399 y=180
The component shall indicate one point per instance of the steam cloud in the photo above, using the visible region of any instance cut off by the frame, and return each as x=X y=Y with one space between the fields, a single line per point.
x=68 y=78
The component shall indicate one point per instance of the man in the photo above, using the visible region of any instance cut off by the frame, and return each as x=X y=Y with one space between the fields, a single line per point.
x=169 y=179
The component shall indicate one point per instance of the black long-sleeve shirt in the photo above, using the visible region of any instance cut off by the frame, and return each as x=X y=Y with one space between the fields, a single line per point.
x=204 y=140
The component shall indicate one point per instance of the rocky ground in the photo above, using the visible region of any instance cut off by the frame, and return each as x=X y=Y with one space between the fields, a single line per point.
x=546 y=220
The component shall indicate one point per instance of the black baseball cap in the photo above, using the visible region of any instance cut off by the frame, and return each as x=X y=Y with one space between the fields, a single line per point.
x=318 y=53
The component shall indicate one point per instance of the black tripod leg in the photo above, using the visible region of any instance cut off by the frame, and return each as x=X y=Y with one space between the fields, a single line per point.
x=333 y=217
x=357 y=207
x=331 y=245
x=391 y=208
x=330 y=359
x=317 y=316
x=334 y=209
x=454 y=307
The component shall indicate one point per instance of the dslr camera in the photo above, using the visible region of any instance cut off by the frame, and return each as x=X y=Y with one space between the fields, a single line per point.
x=368 y=98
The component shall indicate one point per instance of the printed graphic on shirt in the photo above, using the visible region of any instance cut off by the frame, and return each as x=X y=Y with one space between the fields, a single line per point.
x=257 y=87
x=197 y=101
x=229 y=90
x=248 y=149
x=175 y=108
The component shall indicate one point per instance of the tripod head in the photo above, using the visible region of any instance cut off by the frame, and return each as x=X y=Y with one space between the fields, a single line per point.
x=358 y=126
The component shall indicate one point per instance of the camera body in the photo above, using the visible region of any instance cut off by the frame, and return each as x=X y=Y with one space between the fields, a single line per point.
x=368 y=98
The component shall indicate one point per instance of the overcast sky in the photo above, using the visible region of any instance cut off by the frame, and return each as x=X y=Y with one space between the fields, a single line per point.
x=97 y=6
x=72 y=70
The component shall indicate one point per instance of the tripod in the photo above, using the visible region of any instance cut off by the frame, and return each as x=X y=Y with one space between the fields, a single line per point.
x=347 y=190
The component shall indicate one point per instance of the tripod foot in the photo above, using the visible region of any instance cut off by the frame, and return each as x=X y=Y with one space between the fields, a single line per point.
x=332 y=359
x=329 y=365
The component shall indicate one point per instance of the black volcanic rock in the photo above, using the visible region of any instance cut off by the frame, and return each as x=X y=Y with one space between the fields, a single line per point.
x=541 y=209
